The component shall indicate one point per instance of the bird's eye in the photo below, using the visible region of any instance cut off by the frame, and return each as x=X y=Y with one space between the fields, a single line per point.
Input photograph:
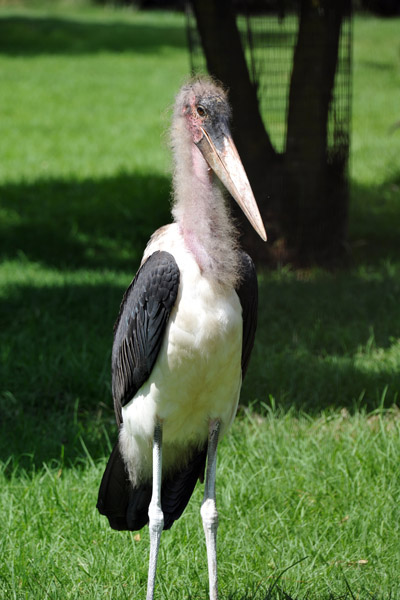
x=201 y=111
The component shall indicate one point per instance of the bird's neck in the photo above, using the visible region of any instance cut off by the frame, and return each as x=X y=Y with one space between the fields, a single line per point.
x=203 y=217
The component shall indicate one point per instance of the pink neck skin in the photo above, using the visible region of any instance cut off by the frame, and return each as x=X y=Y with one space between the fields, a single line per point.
x=195 y=225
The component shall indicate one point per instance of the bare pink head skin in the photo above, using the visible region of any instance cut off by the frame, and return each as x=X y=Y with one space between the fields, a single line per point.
x=205 y=155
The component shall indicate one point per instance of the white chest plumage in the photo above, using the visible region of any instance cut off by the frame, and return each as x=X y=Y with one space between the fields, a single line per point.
x=197 y=375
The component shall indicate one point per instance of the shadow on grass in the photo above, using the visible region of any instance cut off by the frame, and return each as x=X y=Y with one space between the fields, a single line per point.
x=103 y=223
x=331 y=341
x=375 y=221
x=56 y=341
x=30 y=36
x=56 y=335
x=324 y=340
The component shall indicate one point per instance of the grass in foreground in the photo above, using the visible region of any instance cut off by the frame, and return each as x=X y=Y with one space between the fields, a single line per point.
x=322 y=491
x=83 y=182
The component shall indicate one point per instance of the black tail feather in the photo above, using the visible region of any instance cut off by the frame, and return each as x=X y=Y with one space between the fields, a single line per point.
x=113 y=495
x=177 y=488
x=138 y=508
x=127 y=507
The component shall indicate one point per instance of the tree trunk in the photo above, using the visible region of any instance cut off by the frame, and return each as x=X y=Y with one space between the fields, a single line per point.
x=314 y=210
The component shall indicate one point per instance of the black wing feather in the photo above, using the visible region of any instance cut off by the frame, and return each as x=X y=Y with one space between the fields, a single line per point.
x=138 y=334
x=139 y=329
x=247 y=290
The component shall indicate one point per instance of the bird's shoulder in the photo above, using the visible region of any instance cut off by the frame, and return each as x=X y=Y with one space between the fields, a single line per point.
x=155 y=282
x=247 y=280
x=165 y=239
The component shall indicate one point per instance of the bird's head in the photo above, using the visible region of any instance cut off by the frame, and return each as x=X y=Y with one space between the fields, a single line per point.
x=204 y=107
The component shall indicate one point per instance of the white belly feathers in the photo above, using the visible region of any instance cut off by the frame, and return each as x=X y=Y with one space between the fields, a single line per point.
x=197 y=375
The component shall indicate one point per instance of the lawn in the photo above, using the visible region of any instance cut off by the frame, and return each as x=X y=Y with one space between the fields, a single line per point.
x=308 y=478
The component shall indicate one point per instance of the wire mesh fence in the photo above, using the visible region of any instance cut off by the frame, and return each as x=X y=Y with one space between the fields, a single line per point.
x=269 y=34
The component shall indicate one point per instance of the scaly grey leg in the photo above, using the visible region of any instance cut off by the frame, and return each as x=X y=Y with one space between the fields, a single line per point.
x=156 y=517
x=208 y=509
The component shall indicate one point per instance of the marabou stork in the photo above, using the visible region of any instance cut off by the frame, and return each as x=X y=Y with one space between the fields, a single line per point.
x=184 y=335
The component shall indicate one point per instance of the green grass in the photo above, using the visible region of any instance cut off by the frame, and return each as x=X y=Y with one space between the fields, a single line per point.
x=325 y=490
x=84 y=180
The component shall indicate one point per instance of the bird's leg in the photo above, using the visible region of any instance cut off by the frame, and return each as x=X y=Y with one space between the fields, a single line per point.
x=156 y=517
x=208 y=510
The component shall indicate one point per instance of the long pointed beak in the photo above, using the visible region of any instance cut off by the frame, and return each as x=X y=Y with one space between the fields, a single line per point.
x=228 y=167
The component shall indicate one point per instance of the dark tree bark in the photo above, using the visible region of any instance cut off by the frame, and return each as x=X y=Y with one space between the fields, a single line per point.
x=314 y=212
